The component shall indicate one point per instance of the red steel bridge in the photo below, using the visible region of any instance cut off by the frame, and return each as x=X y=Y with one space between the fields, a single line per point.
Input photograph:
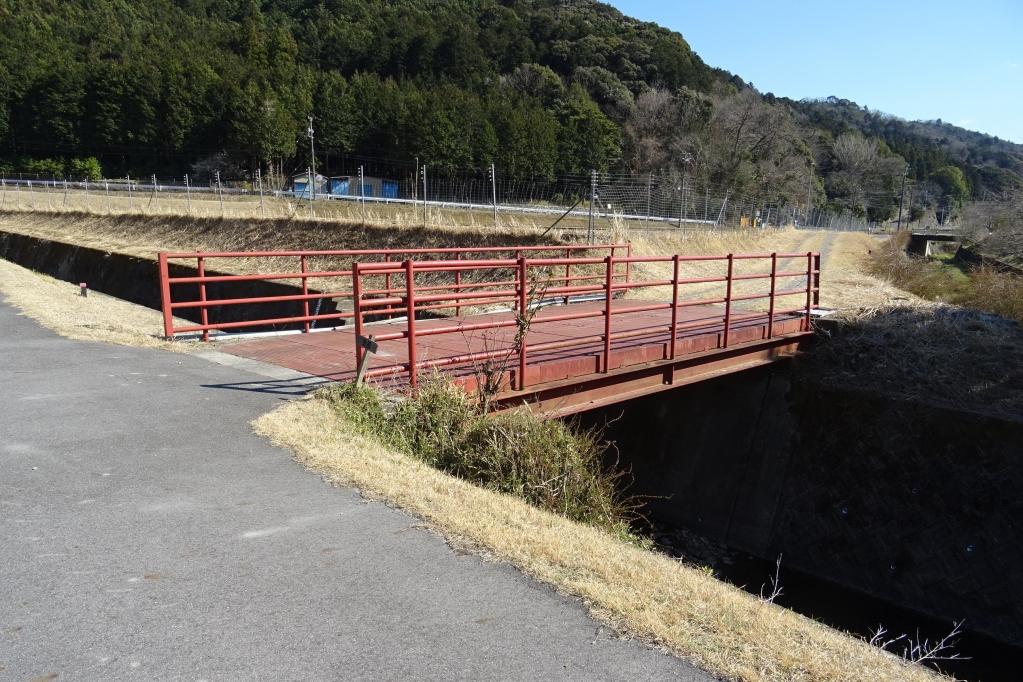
x=562 y=328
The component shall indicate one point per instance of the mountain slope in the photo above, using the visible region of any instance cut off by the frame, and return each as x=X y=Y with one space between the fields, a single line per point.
x=541 y=88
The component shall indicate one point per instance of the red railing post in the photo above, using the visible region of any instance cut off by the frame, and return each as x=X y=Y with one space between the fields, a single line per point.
x=165 y=296
x=628 y=263
x=410 y=303
x=774 y=284
x=609 y=262
x=674 y=306
x=203 y=313
x=728 y=300
x=809 y=286
x=305 y=292
x=387 y=275
x=357 y=311
x=568 y=272
x=523 y=281
x=817 y=279
x=458 y=285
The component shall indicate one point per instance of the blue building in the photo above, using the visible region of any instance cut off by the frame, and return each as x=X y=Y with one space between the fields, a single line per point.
x=348 y=186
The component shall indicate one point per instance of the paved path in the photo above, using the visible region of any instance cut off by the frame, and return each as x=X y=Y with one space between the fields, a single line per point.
x=146 y=533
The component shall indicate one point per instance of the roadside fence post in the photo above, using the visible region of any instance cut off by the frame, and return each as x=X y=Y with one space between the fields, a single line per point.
x=259 y=180
x=426 y=206
x=362 y=192
x=590 y=228
x=493 y=191
x=649 y=187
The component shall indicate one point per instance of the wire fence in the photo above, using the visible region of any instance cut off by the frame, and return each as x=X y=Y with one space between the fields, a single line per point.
x=415 y=194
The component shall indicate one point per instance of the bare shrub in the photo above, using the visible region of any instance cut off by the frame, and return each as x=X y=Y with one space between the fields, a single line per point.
x=914 y=650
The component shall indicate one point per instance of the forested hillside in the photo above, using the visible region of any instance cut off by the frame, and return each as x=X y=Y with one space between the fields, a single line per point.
x=541 y=88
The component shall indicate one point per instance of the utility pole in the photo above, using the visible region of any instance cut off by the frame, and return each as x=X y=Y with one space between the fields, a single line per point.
x=593 y=197
x=220 y=193
x=493 y=191
x=723 y=213
x=687 y=160
x=188 y=195
x=909 y=218
x=312 y=155
x=682 y=200
x=809 y=190
x=128 y=178
x=259 y=180
x=902 y=198
x=649 y=186
x=426 y=206
x=362 y=192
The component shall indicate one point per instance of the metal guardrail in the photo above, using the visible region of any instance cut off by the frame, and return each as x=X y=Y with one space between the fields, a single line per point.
x=304 y=274
x=531 y=273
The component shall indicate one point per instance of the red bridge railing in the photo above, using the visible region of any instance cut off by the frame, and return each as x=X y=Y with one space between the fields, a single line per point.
x=295 y=267
x=516 y=283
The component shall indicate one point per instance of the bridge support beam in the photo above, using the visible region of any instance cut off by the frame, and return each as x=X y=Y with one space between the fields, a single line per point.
x=563 y=398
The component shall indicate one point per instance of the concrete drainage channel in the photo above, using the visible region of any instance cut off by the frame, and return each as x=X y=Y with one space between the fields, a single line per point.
x=134 y=279
x=882 y=511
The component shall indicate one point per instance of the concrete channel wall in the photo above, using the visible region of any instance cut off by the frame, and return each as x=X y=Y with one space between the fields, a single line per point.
x=136 y=280
x=916 y=505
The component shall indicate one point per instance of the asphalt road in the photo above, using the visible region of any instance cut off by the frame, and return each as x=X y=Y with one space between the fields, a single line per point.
x=146 y=533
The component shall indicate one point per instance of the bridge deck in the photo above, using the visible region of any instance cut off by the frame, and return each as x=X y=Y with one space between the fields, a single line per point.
x=332 y=354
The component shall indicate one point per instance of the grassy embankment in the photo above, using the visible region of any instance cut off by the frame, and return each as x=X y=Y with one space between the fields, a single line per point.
x=246 y=207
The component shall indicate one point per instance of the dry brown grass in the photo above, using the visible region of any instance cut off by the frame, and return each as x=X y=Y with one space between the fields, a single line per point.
x=144 y=235
x=58 y=306
x=718 y=627
x=845 y=283
x=284 y=208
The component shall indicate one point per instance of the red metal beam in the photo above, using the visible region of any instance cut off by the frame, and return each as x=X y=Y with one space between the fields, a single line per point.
x=578 y=394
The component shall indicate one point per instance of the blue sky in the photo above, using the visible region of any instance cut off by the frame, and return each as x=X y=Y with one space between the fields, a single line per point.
x=961 y=62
